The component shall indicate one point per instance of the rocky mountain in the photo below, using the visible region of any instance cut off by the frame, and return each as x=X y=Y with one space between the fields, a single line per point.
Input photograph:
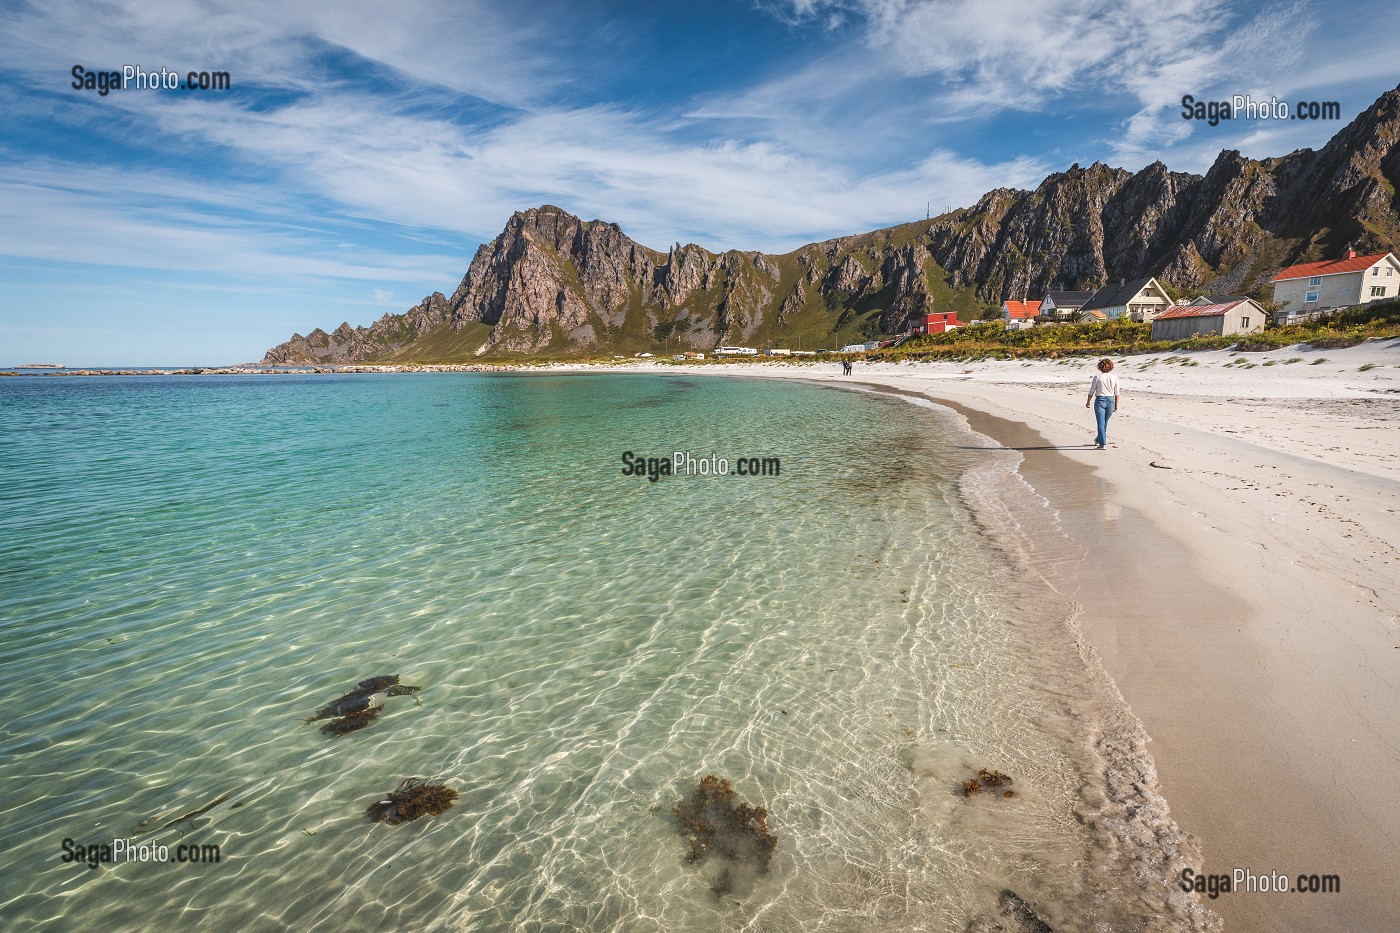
x=553 y=284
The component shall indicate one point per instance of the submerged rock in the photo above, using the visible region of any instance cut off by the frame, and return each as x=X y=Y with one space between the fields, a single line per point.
x=1013 y=915
x=375 y=684
x=412 y=799
x=350 y=703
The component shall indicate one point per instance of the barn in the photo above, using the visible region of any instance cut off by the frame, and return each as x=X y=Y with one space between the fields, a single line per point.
x=1232 y=317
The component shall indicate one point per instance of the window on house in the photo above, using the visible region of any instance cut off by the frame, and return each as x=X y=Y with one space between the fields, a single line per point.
x=1244 y=322
x=1377 y=291
x=1315 y=280
x=1310 y=296
x=1389 y=270
x=1376 y=270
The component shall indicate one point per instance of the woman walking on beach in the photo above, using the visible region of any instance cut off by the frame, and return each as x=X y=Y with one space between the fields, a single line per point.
x=1103 y=396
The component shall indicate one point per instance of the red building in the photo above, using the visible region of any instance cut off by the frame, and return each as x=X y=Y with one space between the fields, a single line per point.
x=933 y=323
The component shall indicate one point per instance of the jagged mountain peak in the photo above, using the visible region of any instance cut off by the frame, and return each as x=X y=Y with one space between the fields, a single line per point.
x=552 y=282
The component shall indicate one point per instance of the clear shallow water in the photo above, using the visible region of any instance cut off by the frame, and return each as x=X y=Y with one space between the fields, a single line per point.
x=190 y=567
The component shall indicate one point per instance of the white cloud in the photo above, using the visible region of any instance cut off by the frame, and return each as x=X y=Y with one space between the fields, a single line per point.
x=622 y=165
x=985 y=57
x=148 y=220
x=469 y=46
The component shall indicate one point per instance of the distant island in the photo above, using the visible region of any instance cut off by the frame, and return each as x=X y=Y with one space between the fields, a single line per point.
x=39 y=366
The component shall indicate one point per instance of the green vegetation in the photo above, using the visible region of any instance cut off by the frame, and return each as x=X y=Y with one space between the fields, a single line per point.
x=814 y=324
x=977 y=341
x=1380 y=320
x=443 y=345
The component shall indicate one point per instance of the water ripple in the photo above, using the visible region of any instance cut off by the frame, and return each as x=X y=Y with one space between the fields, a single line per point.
x=188 y=570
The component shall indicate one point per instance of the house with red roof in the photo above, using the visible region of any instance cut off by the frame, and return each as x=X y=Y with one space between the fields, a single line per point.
x=1337 y=283
x=1020 y=310
x=937 y=322
x=1238 y=316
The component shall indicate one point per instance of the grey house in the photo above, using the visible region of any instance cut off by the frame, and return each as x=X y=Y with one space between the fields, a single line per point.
x=1232 y=317
x=1060 y=305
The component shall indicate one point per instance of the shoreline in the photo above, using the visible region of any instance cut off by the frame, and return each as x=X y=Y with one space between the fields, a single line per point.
x=1241 y=544
x=1122 y=800
x=1235 y=571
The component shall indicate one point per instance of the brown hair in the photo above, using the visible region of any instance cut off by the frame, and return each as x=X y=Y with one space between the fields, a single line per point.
x=1105 y=365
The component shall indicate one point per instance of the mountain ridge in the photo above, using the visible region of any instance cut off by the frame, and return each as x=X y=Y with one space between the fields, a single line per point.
x=554 y=284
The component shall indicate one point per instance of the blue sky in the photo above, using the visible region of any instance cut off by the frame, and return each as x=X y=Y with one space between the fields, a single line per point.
x=366 y=149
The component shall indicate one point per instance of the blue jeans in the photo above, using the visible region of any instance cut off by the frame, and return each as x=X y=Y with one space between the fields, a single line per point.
x=1103 y=407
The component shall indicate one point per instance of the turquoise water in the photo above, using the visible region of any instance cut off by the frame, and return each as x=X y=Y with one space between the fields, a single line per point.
x=190 y=566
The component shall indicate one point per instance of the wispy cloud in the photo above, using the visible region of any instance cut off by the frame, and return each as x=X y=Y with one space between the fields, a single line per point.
x=470 y=46
x=995 y=56
x=148 y=220
x=620 y=164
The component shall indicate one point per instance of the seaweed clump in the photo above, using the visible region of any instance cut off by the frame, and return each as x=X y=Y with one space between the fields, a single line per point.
x=351 y=723
x=414 y=798
x=357 y=709
x=987 y=778
x=716 y=822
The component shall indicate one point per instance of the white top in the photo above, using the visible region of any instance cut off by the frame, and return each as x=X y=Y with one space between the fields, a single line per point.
x=1104 y=384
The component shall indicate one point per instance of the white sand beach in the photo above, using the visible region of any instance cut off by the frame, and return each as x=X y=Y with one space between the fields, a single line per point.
x=1238 y=574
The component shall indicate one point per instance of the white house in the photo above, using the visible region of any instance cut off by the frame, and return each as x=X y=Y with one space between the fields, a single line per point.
x=1138 y=300
x=1233 y=317
x=1060 y=305
x=1337 y=283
